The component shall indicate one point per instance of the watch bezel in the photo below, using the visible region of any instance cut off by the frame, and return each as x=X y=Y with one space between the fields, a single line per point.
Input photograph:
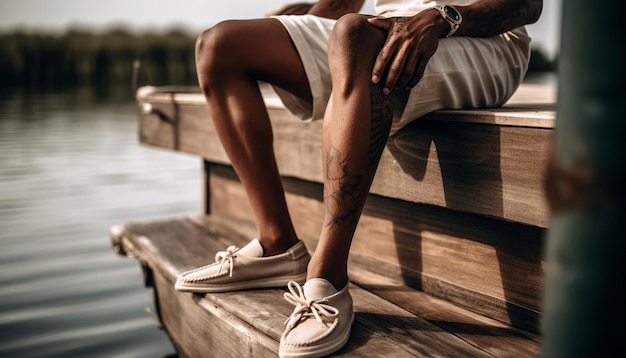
x=450 y=9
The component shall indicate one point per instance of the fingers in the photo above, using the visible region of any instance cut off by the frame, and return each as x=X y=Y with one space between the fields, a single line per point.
x=388 y=59
x=382 y=59
x=417 y=75
x=413 y=70
x=380 y=23
x=397 y=56
x=413 y=60
x=427 y=50
x=397 y=70
x=409 y=46
x=385 y=56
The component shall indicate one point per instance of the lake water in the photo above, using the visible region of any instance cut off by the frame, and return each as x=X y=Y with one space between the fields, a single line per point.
x=70 y=168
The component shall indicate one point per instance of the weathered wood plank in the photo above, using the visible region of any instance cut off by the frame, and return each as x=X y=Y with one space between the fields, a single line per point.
x=198 y=328
x=531 y=105
x=488 y=162
x=250 y=323
x=496 y=338
x=489 y=266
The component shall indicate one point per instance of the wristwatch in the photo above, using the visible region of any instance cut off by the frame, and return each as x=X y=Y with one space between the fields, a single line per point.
x=452 y=17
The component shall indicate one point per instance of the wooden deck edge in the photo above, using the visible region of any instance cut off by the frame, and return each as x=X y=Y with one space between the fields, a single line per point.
x=247 y=322
x=189 y=319
x=530 y=106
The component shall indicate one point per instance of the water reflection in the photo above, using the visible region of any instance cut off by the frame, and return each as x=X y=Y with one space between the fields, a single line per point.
x=70 y=167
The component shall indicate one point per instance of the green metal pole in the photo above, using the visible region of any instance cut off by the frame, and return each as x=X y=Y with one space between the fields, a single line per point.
x=584 y=300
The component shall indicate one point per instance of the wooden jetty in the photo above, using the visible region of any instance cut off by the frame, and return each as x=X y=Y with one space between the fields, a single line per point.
x=447 y=259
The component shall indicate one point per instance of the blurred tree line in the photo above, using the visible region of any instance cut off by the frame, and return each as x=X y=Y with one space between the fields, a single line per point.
x=83 y=57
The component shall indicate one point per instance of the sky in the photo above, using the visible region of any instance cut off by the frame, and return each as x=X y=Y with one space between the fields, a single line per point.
x=196 y=15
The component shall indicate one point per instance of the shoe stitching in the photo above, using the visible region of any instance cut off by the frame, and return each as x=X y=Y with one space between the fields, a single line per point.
x=227 y=257
x=221 y=258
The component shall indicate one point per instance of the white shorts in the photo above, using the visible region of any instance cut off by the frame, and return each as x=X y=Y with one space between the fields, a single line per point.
x=463 y=73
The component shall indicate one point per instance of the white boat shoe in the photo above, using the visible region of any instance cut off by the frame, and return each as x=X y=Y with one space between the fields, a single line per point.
x=321 y=322
x=246 y=268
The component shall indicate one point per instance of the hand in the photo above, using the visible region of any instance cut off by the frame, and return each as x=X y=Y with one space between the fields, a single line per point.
x=411 y=42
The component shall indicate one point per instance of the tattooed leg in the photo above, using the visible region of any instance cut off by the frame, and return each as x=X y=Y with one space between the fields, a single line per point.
x=347 y=183
x=349 y=167
x=355 y=130
x=356 y=127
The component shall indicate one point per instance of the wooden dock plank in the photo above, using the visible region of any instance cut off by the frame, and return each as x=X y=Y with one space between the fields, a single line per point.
x=198 y=328
x=495 y=338
x=252 y=322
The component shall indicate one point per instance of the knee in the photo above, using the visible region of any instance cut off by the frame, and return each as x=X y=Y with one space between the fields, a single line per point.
x=350 y=36
x=353 y=46
x=212 y=54
x=352 y=49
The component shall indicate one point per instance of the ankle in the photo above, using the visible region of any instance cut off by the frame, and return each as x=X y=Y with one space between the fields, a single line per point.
x=338 y=283
x=338 y=278
x=276 y=247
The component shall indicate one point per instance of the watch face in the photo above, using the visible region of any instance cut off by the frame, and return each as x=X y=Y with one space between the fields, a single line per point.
x=452 y=13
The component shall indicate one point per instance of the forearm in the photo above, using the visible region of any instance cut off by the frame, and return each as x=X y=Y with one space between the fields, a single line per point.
x=335 y=9
x=492 y=17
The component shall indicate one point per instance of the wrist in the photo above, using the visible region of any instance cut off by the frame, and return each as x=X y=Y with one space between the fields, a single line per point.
x=441 y=26
x=451 y=17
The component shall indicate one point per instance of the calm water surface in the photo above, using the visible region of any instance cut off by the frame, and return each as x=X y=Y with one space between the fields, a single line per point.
x=70 y=168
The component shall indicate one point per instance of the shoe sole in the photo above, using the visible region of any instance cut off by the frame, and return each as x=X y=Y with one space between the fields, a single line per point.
x=316 y=352
x=242 y=285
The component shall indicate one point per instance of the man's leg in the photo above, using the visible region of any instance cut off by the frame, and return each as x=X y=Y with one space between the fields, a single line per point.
x=356 y=128
x=357 y=123
x=231 y=57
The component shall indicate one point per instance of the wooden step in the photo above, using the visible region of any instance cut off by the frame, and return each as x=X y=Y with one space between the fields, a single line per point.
x=392 y=319
x=487 y=161
x=489 y=266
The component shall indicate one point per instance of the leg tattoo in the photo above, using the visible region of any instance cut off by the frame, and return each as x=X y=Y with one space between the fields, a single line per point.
x=341 y=204
x=382 y=114
x=348 y=186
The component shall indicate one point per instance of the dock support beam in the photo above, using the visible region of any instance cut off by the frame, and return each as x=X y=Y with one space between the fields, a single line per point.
x=584 y=302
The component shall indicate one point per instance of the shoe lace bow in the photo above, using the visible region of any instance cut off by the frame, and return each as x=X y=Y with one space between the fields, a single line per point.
x=319 y=309
x=226 y=257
